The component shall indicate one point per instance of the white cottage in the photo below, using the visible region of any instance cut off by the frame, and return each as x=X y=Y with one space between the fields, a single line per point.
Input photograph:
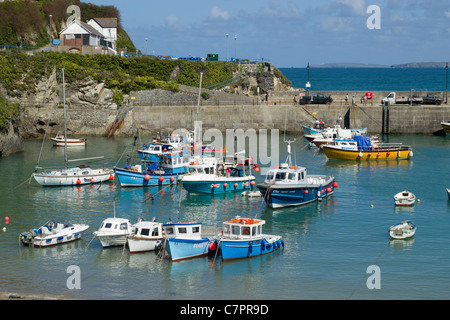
x=79 y=34
x=108 y=28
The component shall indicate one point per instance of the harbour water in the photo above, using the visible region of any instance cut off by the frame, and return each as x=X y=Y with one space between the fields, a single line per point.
x=370 y=79
x=329 y=245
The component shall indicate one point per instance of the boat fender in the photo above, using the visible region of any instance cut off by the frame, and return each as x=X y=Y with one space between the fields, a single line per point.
x=410 y=153
x=360 y=154
x=282 y=243
x=250 y=248
x=263 y=246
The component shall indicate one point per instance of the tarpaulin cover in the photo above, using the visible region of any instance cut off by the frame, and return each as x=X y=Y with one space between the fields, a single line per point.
x=363 y=142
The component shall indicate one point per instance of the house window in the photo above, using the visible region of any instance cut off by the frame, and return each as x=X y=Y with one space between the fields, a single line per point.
x=182 y=230
x=195 y=229
x=145 y=232
x=155 y=232
x=108 y=225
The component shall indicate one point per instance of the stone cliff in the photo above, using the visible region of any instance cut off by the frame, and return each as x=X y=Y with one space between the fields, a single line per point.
x=92 y=108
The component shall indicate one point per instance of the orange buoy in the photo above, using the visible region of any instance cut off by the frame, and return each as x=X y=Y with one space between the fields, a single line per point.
x=6 y=220
x=328 y=189
x=335 y=184
x=252 y=183
x=172 y=179
x=78 y=181
x=161 y=179
x=306 y=191
x=92 y=180
x=111 y=177
x=225 y=185
x=235 y=184
x=147 y=177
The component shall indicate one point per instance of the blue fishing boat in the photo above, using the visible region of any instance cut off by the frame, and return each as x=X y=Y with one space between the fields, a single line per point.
x=208 y=175
x=153 y=151
x=170 y=168
x=243 y=238
x=183 y=240
x=290 y=185
x=318 y=127
x=172 y=142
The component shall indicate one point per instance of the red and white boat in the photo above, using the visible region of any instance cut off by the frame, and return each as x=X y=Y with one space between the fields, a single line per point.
x=60 y=141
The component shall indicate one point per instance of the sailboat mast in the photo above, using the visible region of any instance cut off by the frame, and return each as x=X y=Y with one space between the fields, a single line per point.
x=65 y=122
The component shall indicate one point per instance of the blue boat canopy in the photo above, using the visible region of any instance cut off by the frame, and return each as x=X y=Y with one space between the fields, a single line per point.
x=363 y=142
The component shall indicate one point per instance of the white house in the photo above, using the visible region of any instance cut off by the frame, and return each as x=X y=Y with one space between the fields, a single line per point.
x=108 y=28
x=79 y=33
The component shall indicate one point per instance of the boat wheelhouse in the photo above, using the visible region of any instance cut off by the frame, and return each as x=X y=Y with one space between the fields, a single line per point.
x=145 y=236
x=183 y=240
x=113 y=232
x=244 y=238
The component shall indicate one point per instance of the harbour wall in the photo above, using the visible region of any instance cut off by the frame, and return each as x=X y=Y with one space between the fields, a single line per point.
x=278 y=112
x=402 y=119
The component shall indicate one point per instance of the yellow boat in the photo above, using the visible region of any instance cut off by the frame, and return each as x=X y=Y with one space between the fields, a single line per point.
x=350 y=150
x=446 y=126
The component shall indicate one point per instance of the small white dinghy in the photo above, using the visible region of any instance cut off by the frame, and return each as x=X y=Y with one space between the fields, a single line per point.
x=113 y=232
x=52 y=233
x=402 y=230
x=251 y=193
x=404 y=198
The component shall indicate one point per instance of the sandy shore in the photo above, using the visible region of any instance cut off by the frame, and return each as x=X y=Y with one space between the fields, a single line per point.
x=32 y=296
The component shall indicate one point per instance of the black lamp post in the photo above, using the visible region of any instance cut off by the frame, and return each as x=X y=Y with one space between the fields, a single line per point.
x=446 y=81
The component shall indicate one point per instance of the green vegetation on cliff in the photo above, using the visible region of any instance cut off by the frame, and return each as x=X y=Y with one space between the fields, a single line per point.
x=8 y=111
x=19 y=72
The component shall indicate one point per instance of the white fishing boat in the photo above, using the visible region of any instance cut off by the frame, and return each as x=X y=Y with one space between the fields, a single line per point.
x=113 y=232
x=402 y=230
x=79 y=175
x=52 y=233
x=145 y=236
x=404 y=198
x=60 y=140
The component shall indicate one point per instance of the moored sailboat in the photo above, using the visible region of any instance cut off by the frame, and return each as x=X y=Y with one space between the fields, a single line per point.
x=80 y=175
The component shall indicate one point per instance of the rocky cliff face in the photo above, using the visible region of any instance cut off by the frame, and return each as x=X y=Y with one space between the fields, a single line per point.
x=43 y=108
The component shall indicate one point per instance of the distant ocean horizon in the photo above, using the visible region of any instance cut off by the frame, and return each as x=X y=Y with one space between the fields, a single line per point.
x=368 y=79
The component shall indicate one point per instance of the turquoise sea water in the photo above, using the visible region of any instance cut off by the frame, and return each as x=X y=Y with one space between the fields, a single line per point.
x=328 y=245
x=368 y=79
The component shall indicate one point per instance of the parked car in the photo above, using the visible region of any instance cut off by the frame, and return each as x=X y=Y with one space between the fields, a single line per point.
x=432 y=99
x=316 y=99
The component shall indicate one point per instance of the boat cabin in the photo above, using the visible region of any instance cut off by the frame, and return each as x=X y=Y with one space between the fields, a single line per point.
x=147 y=229
x=204 y=165
x=115 y=225
x=239 y=228
x=286 y=174
x=346 y=144
x=183 y=230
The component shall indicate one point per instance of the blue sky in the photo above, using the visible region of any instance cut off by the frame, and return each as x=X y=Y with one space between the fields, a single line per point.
x=290 y=33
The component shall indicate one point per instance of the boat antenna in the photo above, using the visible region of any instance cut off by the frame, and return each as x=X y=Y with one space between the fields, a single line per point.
x=179 y=201
x=65 y=121
x=288 y=159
